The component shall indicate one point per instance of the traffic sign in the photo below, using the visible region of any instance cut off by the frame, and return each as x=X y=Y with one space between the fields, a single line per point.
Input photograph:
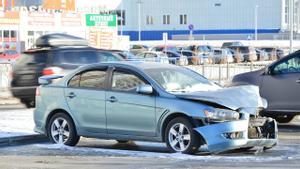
x=191 y=27
x=105 y=20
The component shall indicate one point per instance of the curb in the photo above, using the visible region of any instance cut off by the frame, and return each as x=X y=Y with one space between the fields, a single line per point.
x=20 y=140
x=9 y=101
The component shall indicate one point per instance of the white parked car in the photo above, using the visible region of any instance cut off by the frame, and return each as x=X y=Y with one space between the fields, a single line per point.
x=221 y=56
x=152 y=56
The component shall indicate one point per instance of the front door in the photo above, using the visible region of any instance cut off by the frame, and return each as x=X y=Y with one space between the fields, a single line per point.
x=281 y=87
x=129 y=113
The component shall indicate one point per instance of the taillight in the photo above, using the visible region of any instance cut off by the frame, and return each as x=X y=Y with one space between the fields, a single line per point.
x=37 y=91
x=52 y=71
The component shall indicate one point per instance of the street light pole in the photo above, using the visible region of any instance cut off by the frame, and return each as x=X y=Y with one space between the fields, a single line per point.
x=256 y=20
x=139 y=19
x=122 y=8
x=291 y=7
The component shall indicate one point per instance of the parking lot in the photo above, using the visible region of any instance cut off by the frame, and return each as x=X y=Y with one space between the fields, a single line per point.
x=91 y=153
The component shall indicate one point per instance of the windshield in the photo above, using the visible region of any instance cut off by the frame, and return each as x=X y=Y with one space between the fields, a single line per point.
x=180 y=80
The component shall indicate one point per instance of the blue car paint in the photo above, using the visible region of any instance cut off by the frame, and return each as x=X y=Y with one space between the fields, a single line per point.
x=166 y=104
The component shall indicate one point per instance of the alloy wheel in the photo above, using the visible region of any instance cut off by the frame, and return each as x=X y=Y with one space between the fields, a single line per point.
x=60 y=130
x=179 y=137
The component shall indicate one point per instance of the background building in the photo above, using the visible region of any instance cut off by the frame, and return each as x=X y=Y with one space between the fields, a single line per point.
x=210 y=19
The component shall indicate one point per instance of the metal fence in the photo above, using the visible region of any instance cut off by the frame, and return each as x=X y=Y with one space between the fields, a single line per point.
x=223 y=73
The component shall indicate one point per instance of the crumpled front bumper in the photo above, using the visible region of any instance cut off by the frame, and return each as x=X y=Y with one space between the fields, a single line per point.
x=213 y=134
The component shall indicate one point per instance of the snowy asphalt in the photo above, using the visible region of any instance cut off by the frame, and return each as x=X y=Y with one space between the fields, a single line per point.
x=96 y=153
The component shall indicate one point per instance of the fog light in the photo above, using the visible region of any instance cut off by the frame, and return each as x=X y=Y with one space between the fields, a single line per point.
x=233 y=135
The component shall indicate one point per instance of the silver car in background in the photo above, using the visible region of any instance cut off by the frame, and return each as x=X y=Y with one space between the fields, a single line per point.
x=152 y=56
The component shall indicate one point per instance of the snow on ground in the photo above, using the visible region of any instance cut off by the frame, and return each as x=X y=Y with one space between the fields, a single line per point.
x=16 y=122
x=282 y=152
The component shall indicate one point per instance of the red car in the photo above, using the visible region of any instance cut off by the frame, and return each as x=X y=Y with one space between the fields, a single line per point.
x=9 y=55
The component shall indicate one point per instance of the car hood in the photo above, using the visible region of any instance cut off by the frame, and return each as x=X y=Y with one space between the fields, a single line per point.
x=239 y=97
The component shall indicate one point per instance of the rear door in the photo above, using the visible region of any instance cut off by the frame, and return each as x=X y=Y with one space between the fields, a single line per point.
x=85 y=96
x=282 y=86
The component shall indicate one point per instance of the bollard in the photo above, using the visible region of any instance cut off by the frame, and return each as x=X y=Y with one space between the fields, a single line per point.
x=220 y=72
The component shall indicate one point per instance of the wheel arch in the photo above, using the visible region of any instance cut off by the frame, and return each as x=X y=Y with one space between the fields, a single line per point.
x=55 y=111
x=174 y=115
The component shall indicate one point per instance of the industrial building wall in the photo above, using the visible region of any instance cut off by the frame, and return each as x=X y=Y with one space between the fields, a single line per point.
x=207 y=16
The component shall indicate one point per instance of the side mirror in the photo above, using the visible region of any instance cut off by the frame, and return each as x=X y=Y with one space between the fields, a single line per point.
x=144 y=89
x=267 y=71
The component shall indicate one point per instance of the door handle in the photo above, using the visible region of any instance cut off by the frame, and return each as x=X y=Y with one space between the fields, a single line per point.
x=298 y=81
x=112 y=99
x=71 y=95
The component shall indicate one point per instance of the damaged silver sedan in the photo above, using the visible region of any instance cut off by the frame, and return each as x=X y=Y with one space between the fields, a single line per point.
x=152 y=102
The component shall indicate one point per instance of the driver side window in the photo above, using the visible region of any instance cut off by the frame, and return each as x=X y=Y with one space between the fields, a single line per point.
x=288 y=66
x=126 y=82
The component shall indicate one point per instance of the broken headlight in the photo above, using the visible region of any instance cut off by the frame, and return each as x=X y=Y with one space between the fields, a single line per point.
x=221 y=115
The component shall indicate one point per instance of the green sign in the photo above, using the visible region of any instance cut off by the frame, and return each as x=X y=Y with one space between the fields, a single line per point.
x=109 y=20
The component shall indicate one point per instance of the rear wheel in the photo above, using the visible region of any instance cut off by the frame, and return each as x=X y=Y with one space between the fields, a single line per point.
x=180 y=136
x=61 y=130
x=123 y=141
x=29 y=103
x=284 y=118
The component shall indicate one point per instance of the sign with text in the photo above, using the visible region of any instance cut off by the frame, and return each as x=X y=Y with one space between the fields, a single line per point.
x=101 y=20
x=9 y=18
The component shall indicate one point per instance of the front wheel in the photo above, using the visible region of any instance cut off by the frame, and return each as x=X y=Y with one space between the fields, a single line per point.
x=180 y=136
x=61 y=130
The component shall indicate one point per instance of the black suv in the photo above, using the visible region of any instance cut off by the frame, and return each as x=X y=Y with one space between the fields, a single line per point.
x=51 y=60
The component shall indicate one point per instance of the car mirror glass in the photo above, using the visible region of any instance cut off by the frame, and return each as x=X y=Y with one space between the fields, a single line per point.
x=144 y=89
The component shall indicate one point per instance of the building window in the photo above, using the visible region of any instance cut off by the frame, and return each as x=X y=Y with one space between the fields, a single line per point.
x=13 y=34
x=166 y=19
x=121 y=17
x=149 y=20
x=6 y=34
x=217 y=4
x=183 y=19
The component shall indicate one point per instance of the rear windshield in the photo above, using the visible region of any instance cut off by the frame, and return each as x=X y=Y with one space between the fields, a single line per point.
x=31 y=59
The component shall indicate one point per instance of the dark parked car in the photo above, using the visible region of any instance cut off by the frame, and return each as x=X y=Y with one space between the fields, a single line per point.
x=176 y=58
x=163 y=48
x=193 y=58
x=51 y=60
x=274 y=53
x=279 y=83
x=228 y=44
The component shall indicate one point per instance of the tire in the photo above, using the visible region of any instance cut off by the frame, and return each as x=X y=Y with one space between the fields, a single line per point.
x=61 y=130
x=184 y=140
x=123 y=141
x=29 y=103
x=284 y=118
x=245 y=148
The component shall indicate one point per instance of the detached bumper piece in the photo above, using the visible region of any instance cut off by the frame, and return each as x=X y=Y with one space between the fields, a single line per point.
x=250 y=132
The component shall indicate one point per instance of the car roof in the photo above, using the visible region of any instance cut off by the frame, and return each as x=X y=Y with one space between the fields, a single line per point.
x=133 y=64
x=33 y=50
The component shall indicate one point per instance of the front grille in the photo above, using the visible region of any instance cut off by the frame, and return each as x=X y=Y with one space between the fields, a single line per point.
x=261 y=127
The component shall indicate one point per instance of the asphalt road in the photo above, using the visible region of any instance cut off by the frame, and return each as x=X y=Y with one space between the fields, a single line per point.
x=96 y=153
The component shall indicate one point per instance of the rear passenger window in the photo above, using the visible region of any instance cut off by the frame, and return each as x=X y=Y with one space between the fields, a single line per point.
x=93 y=79
x=90 y=79
x=74 y=82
